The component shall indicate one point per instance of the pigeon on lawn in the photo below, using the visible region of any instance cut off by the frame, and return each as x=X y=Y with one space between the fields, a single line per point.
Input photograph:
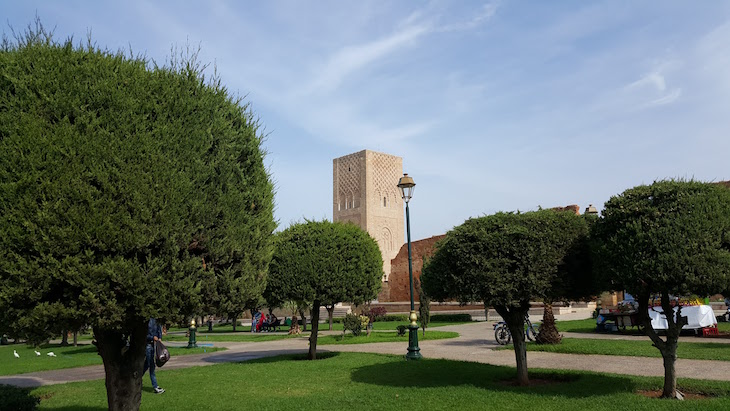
x=51 y=354
x=37 y=353
x=15 y=353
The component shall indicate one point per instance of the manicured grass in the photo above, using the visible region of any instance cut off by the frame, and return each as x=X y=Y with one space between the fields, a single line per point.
x=686 y=350
x=382 y=337
x=355 y=381
x=589 y=326
x=66 y=357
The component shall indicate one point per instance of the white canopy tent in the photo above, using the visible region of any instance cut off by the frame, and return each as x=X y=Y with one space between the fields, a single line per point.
x=698 y=316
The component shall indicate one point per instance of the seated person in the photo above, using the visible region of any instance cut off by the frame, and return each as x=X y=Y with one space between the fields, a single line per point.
x=260 y=322
x=273 y=323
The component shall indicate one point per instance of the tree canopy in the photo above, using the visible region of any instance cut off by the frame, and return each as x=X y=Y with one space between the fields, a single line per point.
x=505 y=260
x=124 y=186
x=670 y=238
x=325 y=263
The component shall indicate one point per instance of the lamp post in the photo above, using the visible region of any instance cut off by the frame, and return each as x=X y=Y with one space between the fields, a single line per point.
x=406 y=186
x=191 y=341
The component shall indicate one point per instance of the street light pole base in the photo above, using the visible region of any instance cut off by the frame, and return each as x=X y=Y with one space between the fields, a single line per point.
x=414 y=352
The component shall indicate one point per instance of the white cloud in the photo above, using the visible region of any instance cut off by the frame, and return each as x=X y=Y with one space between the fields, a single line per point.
x=352 y=58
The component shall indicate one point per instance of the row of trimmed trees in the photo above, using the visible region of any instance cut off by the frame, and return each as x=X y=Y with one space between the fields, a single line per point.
x=130 y=190
x=669 y=238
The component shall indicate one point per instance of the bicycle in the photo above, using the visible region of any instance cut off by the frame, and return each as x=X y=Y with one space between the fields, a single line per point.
x=504 y=337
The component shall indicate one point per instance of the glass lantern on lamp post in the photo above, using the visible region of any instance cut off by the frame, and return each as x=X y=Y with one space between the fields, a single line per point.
x=406 y=186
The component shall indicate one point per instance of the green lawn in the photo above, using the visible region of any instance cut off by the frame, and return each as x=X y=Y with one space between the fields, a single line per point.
x=66 y=357
x=589 y=326
x=687 y=350
x=379 y=382
x=382 y=337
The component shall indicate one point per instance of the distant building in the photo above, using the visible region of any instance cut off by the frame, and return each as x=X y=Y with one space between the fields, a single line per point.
x=365 y=192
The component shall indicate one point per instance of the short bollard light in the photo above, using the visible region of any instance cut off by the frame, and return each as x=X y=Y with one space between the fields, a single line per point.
x=191 y=341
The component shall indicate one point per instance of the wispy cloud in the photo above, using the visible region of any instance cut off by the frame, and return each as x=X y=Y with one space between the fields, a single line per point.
x=352 y=58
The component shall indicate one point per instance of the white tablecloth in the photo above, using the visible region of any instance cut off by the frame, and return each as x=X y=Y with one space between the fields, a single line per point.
x=698 y=316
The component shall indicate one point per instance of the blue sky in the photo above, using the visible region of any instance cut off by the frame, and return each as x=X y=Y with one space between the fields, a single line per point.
x=493 y=106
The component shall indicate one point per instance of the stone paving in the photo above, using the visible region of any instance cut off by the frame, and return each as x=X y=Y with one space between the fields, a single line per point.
x=475 y=343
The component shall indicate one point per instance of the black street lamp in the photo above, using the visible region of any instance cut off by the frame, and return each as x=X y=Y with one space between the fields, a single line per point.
x=406 y=186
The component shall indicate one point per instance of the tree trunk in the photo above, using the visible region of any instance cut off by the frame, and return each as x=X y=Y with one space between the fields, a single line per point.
x=64 y=338
x=515 y=319
x=76 y=338
x=123 y=367
x=234 y=321
x=304 y=319
x=486 y=313
x=548 y=333
x=330 y=313
x=315 y=328
x=668 y=347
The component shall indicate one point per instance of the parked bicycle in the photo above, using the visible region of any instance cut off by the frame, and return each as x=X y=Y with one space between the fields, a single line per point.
x=504 y=337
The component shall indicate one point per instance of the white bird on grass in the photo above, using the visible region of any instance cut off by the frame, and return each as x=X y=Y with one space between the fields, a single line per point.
x=37 y=353
x=15 y=353
x=51 y=354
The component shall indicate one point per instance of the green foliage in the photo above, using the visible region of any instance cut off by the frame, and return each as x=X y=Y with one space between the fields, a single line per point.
x=453 y=318
x=504 y=259
x=671 y=236
x=124 y=188
x=352 y=323
x=401 y=330
x=17 y=399
x=376 y=313
x=326 y=263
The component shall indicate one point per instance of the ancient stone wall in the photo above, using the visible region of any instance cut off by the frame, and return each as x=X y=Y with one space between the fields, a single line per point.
x=399 y=286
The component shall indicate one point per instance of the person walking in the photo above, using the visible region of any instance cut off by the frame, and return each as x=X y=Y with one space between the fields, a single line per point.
x=154 y=334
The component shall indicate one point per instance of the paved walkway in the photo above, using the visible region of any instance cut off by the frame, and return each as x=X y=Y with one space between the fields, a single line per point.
x=475 y=343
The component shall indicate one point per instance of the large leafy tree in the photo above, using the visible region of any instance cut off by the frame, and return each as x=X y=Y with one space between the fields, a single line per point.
x=124 y=186
x=504 y=260
x=670 y=238
x=325 y=263
x=575 y=279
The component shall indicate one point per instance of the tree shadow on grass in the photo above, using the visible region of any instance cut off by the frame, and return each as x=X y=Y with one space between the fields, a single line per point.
x=75 y=408
x=445 y=373
x=323 y=355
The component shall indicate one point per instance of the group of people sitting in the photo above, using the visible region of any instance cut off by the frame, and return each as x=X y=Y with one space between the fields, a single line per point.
x=264 y=323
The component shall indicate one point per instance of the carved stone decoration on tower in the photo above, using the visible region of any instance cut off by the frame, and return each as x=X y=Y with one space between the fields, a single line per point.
x=365 y=193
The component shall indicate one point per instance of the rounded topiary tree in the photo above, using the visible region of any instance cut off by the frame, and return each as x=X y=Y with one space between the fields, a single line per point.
x=504 y=260
x=670 y=238
x=325 y=263
x=123 y=188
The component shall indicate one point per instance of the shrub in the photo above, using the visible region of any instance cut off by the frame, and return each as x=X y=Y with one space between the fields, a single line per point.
x=376 y=313
x=451 y=317
x=17 y=399
x=401 y=330
x=352 y=323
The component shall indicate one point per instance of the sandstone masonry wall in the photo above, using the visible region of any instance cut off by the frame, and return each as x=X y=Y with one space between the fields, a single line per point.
x=398 y=284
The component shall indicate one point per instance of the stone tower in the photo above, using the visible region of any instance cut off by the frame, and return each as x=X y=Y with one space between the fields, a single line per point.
x=365 y=192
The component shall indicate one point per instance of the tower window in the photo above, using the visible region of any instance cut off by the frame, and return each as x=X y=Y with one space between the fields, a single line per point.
x=385 y=201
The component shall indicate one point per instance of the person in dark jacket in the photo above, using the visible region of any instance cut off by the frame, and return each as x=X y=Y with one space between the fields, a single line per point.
x=154 y=333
